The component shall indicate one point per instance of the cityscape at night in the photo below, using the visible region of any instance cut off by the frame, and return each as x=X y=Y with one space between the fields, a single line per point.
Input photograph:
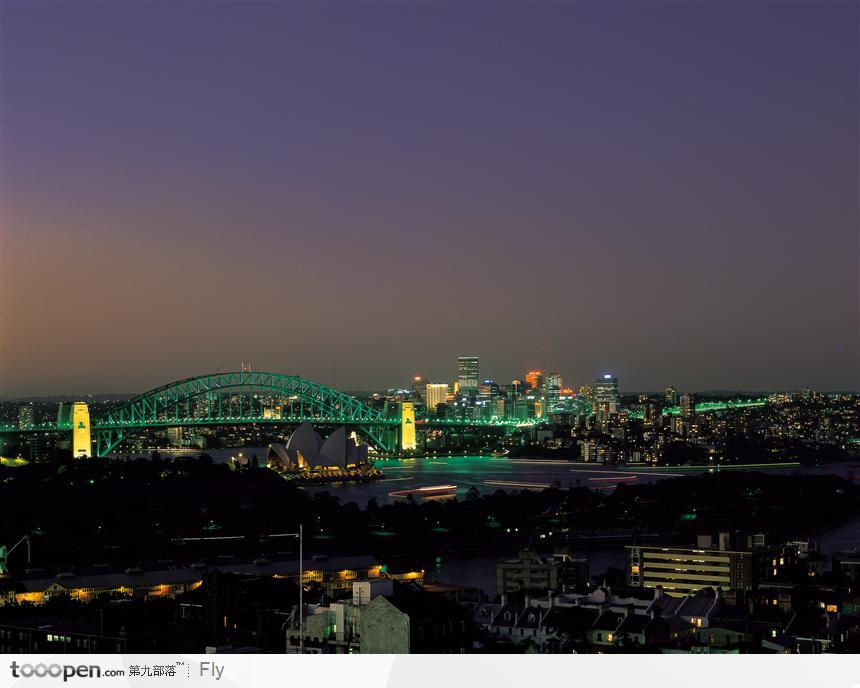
x=526 y=516
x=381 y=328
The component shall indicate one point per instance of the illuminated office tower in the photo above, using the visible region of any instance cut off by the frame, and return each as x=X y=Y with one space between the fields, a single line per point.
x=467 y=374
x=606 y=398
x=81 y=440
x=436 y=393
x=488 y=390
x=534 y=378
x=552 y=385
x=407 y=426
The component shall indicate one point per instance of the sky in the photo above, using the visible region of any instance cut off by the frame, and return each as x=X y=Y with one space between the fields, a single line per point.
x=666 y=190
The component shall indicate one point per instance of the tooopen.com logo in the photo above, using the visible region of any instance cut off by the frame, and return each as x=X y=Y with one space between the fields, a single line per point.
x=64 y=671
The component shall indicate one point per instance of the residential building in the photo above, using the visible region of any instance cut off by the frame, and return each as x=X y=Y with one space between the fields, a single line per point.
x=383 y=617
x=533 y=572
x=688 y=570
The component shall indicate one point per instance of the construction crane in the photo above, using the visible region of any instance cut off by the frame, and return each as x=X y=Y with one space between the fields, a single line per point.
x=6 y=551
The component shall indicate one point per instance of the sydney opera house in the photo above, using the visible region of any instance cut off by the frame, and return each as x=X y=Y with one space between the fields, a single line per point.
x=307 y=451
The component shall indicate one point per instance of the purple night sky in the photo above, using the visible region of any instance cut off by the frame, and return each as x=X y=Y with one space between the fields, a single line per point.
x=665 y=190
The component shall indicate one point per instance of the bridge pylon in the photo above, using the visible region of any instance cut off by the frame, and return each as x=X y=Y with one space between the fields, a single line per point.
x=76 y=416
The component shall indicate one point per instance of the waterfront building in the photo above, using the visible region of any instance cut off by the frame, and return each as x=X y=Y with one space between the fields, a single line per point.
x=532 y=572
x=334 y=574
x=174 y=436
x=306 y=450
x=685 y=570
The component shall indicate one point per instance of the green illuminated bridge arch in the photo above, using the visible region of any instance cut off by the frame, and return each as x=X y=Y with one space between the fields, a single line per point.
x=241 y=398
x=252 y=398
x=260 y=398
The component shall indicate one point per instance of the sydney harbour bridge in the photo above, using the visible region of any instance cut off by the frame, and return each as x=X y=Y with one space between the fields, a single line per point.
x=253 y=398
x=245 y=398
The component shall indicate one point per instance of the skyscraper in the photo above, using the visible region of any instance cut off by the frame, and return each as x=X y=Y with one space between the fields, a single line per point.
x=535 y=379
x=653 y=417
x=552 y=384
x=671 y=396
x=436 y=394
x=606 y=398
x=467 y=375
x=688 y=405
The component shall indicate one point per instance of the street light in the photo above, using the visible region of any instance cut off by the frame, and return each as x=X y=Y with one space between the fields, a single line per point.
x=300 y=536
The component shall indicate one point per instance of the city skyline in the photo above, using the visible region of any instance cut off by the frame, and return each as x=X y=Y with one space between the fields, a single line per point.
x=666 y=191
x=571 y=382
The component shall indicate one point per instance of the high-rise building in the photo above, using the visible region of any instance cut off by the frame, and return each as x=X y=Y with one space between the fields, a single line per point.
x=467 y=374
x=652 y=414
x=534 y=378
x=606 y=398
x=26 y=416
x=552 y=384
x=435 y=394
x=587 y=393
x=488 y=390
x=499 y=407
x=671 y=396
x=688 y=405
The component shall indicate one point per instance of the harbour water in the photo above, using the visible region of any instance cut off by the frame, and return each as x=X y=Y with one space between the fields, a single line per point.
x=490 y=473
